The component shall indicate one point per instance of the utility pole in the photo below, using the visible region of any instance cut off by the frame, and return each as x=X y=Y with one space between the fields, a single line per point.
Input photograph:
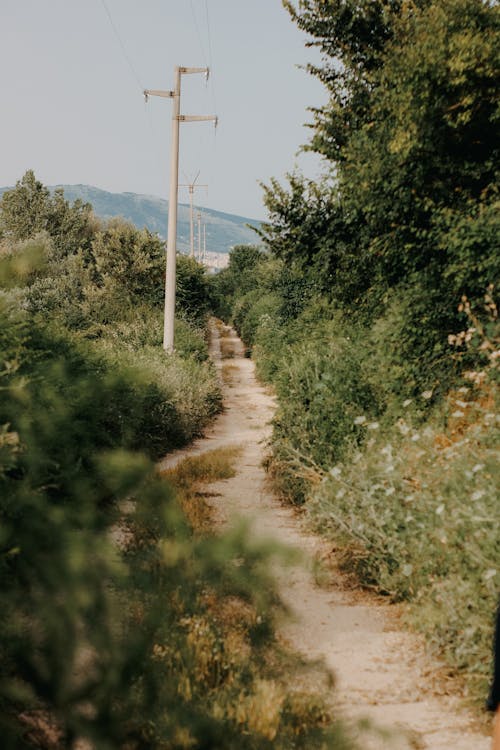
x=204 y=242
x=191 y=186
x=199 y=236
x=168 y=328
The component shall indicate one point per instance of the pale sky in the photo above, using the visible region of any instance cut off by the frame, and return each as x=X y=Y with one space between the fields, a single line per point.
x=73 y=110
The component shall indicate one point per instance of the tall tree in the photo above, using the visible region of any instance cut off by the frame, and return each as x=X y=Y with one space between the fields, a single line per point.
x=29 y=208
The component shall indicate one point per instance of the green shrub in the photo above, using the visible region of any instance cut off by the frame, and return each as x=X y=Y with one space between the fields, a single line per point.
x=249 y=311
x=119 y=627
x=321 y=389
x=247 y=264
x=416 y=511
x=193 y=290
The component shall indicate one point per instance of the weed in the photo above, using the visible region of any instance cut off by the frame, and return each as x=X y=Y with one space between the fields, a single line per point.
x=190 y=474
x=227 y=347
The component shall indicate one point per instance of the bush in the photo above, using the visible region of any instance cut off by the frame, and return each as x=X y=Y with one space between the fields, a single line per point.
x=249 y=311
x=121 y=628
x=193 y=296
x=321 y=391
x=415 y=510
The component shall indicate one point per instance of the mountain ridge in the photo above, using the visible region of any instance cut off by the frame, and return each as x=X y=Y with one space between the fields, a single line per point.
x=223 y=230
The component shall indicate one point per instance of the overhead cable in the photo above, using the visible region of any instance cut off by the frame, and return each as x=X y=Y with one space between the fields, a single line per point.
x=202 y=47
x=210 y=55
x=122 y=46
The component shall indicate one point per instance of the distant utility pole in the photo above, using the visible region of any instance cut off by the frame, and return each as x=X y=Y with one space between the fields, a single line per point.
x=192 y=186
x=204 y=242
x=199 y=236
x=168 y=328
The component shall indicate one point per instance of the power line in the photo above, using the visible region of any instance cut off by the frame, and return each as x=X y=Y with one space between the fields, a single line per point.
x=201 y=143
x=210 y=55
x=122 y=46
x=130 y=65
x=202 y=47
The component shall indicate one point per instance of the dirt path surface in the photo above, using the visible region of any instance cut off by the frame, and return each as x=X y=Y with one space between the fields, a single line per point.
x=381 y=671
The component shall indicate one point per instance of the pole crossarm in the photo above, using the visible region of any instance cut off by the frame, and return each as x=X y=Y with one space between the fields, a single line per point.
x=195 y=70
x=157 y=92
x=197 y=118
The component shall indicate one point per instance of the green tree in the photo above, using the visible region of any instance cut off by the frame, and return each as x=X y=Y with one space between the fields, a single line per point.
x=29 y=209
x=352 y=36
x=129 y=261
x=411 y=131
x=24 y=209
x=422 y=136
x=193 y=289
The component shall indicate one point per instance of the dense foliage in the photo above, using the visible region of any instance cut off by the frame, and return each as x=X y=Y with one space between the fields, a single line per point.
x=122 y=626
x=374 y=294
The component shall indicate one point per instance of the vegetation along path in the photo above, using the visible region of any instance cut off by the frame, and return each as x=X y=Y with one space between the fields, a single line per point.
x=381 y=671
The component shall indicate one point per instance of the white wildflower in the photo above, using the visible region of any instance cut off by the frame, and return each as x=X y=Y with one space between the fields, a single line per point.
x=427 y=395
x=390 y=491
x=457 y=414
x=340 y=494
x=373 y=426
x=335 y=472
x=407 y=570
x=464 y=389
x=477 y=495
x=461 y=404
x=407 y=402
x=415 y=437
x=440 y=509
x=489 y=574
x=477 y=467
x=360 y=420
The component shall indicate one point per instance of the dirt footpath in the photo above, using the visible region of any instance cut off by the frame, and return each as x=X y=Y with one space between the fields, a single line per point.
x=381 y=671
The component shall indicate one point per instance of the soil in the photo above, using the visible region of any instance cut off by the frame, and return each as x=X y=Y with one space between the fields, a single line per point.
x=386 y=686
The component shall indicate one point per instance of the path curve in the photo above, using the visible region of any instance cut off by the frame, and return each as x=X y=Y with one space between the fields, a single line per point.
x=381 y=670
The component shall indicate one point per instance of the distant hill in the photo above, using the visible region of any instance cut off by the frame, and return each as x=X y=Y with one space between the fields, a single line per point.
x=223 y=230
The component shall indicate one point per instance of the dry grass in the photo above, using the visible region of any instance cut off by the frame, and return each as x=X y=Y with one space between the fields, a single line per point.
x=227 y=347
x=228 y=372
x=190 y=475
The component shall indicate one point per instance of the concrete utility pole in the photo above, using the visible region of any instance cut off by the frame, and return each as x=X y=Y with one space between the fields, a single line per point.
x=199 y=236
x=192 y=186
x=204 y=260
x=168 y=328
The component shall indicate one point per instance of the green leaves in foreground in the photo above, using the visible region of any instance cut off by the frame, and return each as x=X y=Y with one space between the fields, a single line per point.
x=119 y=625
x=124 y=629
